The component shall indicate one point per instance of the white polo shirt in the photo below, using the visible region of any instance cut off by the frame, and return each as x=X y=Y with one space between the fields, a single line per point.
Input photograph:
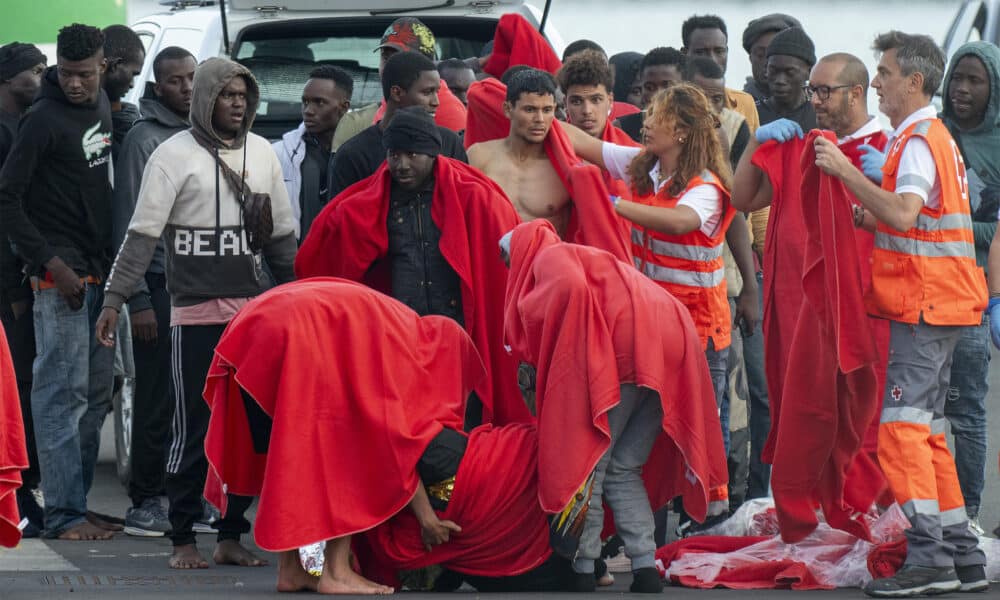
x=704 y=199
x=917 y=173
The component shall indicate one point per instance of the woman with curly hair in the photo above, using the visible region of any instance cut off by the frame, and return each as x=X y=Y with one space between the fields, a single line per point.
x=680 y=181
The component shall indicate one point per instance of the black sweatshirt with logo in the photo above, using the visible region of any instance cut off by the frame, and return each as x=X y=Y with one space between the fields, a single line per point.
x=55 y=187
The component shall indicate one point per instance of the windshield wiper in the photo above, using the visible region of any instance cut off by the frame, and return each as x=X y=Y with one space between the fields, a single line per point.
x=392 y=11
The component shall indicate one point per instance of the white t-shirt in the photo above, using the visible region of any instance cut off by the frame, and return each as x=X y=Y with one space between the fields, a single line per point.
x=702 y=199
x=917 y=173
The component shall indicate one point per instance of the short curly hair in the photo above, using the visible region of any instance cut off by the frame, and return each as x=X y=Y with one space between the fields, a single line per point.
x=587 y=67
x=79 y=41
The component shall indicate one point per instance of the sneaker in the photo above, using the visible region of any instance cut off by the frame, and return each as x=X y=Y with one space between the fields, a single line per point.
x=646 y=581
x=206 y=522
x=912 y=580
x=976 y=529
x=147 y=520
x=973 y=578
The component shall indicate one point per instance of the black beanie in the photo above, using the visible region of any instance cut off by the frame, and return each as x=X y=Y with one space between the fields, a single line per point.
x=768 y=23
x=793 y=42
x=16 y=57
x=412 y=129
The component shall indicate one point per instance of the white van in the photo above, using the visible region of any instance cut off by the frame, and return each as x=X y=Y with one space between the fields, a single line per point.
x=281 y=41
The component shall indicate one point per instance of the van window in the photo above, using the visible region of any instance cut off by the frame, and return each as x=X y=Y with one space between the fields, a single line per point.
x=282 y=66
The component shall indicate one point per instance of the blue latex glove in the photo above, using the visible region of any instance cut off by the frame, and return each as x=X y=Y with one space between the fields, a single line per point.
x=993 y=310
x=781 y=130
x=872 y=160
x=614 y=200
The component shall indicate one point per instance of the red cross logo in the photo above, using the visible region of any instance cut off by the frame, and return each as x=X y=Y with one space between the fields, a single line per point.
x=897 y=393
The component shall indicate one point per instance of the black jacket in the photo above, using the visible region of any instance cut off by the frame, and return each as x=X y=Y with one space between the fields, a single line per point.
x=55 y=192
x=12 y=286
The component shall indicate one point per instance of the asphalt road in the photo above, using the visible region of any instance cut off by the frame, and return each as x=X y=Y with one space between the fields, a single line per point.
x=129 y=567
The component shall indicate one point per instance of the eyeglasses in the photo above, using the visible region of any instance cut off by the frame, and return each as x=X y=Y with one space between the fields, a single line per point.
x=822 y=91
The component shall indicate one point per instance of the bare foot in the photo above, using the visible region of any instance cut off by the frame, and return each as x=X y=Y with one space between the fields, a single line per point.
x=230 y=552
x=86 y=532
x=187 y=557
x=292 y=577
x=349 y=582
x=98 y=520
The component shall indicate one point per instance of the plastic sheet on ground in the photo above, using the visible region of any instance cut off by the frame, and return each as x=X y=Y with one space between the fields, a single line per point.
x=827 y=558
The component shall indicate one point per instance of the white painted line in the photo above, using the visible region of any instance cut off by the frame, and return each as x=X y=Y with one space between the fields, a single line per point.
x=33 y=555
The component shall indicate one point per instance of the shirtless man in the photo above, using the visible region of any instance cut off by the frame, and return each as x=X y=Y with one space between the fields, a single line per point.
x=518 y=163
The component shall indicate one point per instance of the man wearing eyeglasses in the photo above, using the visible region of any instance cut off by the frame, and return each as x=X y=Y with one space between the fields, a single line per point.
x=837 y=96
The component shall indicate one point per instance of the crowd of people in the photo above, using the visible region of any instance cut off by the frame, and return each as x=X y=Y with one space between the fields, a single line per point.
x=512 y=315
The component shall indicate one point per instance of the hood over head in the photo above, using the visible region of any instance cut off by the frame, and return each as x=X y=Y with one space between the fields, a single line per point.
x=990 y=55
x=981 y=145
x=209 y=79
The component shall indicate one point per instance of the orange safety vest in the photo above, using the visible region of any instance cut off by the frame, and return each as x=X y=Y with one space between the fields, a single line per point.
x=690 y=266
x=929 y=271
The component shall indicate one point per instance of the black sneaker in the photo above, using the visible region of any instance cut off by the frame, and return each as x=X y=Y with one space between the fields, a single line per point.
x=646 y=581
x=147 y=520
x=973 y=578
x=912 y=580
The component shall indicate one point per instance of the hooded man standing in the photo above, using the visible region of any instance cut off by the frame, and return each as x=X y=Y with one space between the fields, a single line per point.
x=197 y=190
x=21 y=69
x=165 y=107
x=972 y=115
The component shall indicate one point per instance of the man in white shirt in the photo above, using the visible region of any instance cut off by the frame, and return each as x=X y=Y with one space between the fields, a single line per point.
x=926 y=283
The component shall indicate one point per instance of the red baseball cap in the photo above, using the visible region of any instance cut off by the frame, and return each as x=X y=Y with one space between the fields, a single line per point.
x=409 y=33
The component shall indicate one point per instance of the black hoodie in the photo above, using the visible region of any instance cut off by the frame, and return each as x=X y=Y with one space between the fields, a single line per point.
x=55 y=190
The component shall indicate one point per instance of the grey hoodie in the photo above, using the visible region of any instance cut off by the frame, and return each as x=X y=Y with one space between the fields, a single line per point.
x=980 y=146
x=157 y=124
x=184 y=199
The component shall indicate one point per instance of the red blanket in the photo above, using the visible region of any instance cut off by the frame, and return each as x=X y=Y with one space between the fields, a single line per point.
x=621 y=109
x=589 y=323
x=830 y=386
x=356 y=384
x=517 y=42
x=13 y=453
x=593 y=221
x=349 y=239
x=450 y=112
x=504 y=531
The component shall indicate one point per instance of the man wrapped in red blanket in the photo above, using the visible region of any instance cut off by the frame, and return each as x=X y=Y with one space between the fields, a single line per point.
x=622 y=392
x=333 y=400
x=423 y=229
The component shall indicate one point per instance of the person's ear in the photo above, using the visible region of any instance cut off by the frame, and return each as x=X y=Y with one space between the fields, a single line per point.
x=508 y=109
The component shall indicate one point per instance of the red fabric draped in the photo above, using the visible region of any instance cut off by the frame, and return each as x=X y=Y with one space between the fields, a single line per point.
x=504 y=531
x=13 y=453
x=450 y=112
x=356 y=384
x=593 y=221
x=517 y=42
x=826 y=358
x=349 y=239
x=622 y=109
x=589 y=323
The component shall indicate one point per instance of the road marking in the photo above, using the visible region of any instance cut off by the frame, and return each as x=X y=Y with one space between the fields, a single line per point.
x=33 y=555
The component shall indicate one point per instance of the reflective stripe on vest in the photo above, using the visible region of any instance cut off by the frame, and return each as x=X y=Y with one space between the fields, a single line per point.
x=931 y=225
x=702 y=279
x=698 y=253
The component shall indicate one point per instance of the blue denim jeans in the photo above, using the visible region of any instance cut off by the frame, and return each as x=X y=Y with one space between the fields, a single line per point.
x=70 y=396
x=758 y=484
x=718 y=361
x=965 y=409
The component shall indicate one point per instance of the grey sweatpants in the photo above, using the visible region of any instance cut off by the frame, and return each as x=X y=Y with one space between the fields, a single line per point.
x=634 y=425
